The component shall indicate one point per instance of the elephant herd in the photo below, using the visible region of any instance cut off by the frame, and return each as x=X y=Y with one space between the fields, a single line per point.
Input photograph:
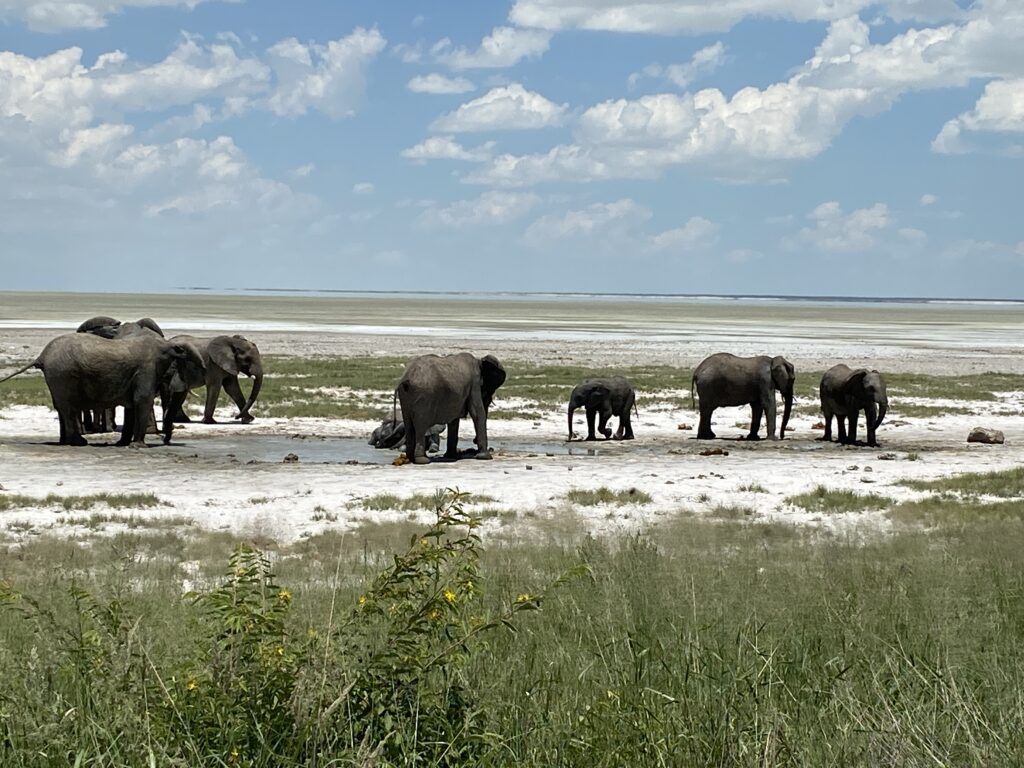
x=107 y=363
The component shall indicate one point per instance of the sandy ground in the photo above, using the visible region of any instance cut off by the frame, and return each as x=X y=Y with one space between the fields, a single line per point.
x=232 y=477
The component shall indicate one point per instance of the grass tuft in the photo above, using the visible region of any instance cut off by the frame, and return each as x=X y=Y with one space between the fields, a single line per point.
x=830 y=501
x=603 y=495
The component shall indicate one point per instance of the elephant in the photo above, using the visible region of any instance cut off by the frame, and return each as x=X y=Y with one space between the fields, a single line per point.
x=84 y=371
x=726 y=380
x=442 y=390
x=111 y=328
x=225 y=358
x=391 y=434
x=613 y=396
x=844 y=393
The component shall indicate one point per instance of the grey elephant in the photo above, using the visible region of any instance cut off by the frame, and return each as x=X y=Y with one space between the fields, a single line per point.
x=226 y=357
x=613 y=396
x=391 y=435
x=110 y=328
x=726 y=380
x=84 y=372
x=442 y=390
x=845 y=392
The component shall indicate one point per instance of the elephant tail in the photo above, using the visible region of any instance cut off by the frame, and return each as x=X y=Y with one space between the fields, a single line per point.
x=394 y=405
x=33 y=364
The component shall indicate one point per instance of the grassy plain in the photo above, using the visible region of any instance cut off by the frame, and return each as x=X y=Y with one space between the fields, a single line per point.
x=699 y=642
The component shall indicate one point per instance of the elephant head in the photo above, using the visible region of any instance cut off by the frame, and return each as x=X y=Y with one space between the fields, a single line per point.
x=237 y=355
x=784 y=380
x=150 y=323
x=868 y=389
x=588 y=393
x=492 y=376
x=101 y=325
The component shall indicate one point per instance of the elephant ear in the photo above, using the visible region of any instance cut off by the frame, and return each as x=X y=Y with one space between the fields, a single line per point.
x=855 y=381
x=492 y=375
x=783 y=373
x=597 y=395
x=221 y=351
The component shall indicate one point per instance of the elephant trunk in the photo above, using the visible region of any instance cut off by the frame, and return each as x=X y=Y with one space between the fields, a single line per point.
x=883 y=406
x=788 y=398
x=257 y=385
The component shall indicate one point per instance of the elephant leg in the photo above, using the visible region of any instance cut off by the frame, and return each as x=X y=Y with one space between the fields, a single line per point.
x=414 y=451
x=851 y=434
x=841 y=429
x=212 y=393
x=452 y=450
x=235 y=393
x=827 y=437
x=128 y=427
x=71 y=427
x=621 y=430
x=171 y=406
x=143 y=408
x=704 y=428
x=756 y=412
x=88 y=425
x=602 y=425
x=479 y=416
x=768 y=403
x=591 y=413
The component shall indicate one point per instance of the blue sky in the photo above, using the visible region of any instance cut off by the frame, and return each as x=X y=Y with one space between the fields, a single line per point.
x=817 y=147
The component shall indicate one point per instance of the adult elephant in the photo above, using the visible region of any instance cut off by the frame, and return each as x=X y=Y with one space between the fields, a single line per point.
x=727 y=380
x=442 y=390
x=111 y=328
x=84 y=371
x=226 y=357
x=607 y=397
x=845 y=392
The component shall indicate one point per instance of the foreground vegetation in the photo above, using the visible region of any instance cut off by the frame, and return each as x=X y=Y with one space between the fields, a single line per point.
x=698 y=643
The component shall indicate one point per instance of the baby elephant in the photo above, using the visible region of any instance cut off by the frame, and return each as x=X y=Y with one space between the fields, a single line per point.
x=844 y=393
x=609 y=397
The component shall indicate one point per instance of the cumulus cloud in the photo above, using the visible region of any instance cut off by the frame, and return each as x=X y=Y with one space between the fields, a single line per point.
x=504 y=47
x=833 y=231
x=702 y=63
x=509 y=107
x=446 y=148
x=694 y=17
x=489 y=208
x=329 y=78
x=1000 y=110
x=363 y=188
x=60 y=15
x=439 y=84
x=697 y=233
x=595 y=219
x=749 y=134
x=929 y=199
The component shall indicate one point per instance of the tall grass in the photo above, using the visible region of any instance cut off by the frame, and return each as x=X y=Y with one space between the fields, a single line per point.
x=727 y=644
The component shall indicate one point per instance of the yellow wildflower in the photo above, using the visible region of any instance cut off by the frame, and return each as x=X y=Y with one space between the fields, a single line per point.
x=524 y=598
x=362 y=599
x=435 y=615
x=284 y=596
x=192 y=683
x=450 y=596
x=424 y=542
x=280 y=651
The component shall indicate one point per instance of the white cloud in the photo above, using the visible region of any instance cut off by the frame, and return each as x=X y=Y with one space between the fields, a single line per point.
x=363 y=188
x=330 y=78
x=504 y=108
x=697 y=233
x=836 y=232
x=489 y=208
x=595 y=219
x=59 y=15
x=302 y=171
x=929 y=199
x=439 y=84
x=913 y=236
x=446 y=148
x=504 y=47
x=1000 y=110
x=702 y=63
x=692 y=17
x=408 y=54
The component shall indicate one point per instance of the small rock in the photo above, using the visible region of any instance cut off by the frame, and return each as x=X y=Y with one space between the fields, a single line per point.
x=887 y=457
x=291 y=458
x=684 y=426
x=549 y=455
x=60 y=482
x=866 y=480
x=853 y=468
x=898 y=423
x=529 y=466
x=868 y=469
x=818 y=425
x=352 y=462
x=251 y=461
x=670 y=482
x=987 y=436
x=714 y=452
x=2 y=488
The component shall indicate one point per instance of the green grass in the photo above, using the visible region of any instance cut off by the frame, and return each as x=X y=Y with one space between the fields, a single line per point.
x=731 y=512
x=69 y=503
x=953 y=511
x=724 y=643
x=602 y=495
x=830 y=501
x=1006 y=483
x=26 y=389
x=98 y=520
x=752 y=488
x=388 y=501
